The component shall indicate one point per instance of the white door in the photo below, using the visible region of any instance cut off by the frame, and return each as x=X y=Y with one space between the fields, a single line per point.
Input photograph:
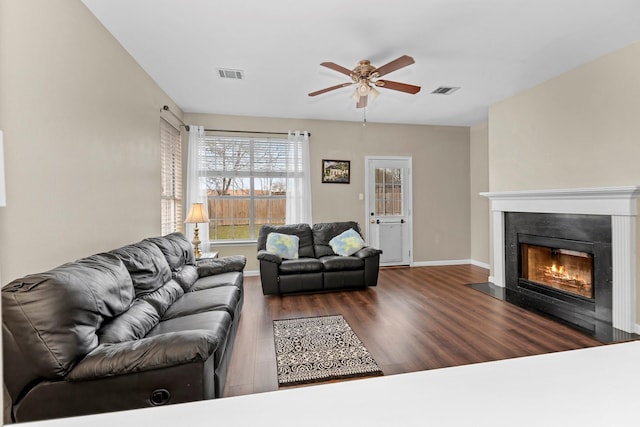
x=388 y=201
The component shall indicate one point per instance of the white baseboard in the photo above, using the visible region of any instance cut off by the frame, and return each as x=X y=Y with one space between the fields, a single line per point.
x=248 y=273
x=481 y=264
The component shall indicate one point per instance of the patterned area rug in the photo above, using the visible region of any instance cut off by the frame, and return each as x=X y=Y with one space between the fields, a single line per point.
x=316 y=349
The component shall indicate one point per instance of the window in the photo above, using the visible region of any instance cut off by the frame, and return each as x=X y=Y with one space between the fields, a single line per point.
x=388 y=191
x=171 y=176
x=246 y=184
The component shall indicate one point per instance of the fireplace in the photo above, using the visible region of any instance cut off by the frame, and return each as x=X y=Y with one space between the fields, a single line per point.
x=617 y=210
x=560 y=265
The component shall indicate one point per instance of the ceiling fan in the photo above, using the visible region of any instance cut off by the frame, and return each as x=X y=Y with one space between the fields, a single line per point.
x=367 y=78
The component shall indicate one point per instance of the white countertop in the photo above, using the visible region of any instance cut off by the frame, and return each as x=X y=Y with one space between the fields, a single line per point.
x=588 y=387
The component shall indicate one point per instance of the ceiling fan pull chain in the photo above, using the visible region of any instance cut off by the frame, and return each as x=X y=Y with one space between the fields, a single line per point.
x=364 y=118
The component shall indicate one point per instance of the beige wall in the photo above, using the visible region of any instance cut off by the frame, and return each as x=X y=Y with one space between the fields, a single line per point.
x=479 y=182
x=440 y=176
x=80 y=121
x=581 y=129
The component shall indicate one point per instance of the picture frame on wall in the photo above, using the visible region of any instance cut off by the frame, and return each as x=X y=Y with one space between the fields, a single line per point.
x=336 y=171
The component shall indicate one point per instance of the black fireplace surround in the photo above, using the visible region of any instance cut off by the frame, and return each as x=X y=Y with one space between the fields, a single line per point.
x=583 y=233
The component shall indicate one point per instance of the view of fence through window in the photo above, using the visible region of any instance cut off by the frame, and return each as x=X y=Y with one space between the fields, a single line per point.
x=245 y=180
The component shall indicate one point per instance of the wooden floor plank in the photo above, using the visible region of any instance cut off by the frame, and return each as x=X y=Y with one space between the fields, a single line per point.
x=415 y=319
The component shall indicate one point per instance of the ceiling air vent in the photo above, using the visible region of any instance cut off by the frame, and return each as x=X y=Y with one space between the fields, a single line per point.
x=226 y=73
x=445 y=90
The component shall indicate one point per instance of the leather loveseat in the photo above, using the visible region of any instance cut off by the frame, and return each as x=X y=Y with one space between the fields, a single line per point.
x=317 y=267
x=143 y=325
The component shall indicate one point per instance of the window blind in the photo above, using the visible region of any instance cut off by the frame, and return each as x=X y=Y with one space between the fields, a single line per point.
x=171 y=178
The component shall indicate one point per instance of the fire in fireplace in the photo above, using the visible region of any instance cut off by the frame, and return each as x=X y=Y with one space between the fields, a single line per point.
x=563 y=269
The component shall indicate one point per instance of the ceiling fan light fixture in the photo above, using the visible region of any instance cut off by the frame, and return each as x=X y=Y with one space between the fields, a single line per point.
x=373 y=92
x=363 y=88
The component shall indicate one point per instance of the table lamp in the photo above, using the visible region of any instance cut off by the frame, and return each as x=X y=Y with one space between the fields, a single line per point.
x=197 y=214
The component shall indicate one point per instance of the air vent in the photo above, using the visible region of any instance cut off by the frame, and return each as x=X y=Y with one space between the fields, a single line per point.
x=445 y=90
x=226 y=73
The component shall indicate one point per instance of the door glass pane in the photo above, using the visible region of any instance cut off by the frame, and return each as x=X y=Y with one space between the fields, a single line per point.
x=388 y=197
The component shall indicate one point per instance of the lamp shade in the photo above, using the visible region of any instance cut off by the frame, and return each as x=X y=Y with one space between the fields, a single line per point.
x=197 y=214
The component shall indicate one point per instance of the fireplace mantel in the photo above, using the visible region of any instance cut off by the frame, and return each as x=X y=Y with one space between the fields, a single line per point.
x=594 y=201
x=618 y=202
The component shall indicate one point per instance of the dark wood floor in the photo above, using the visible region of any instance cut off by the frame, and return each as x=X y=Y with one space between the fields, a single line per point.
x=415 y=319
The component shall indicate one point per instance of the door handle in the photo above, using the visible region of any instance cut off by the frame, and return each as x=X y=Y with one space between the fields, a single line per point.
x=377 y=221
x=402 y=221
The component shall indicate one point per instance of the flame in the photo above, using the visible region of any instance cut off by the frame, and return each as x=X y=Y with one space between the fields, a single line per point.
x=560 y=272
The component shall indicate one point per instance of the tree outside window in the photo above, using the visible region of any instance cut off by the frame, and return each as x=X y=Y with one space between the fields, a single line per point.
x=246 y=182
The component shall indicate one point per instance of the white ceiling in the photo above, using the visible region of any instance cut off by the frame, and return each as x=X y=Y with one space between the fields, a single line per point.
x=492 y=49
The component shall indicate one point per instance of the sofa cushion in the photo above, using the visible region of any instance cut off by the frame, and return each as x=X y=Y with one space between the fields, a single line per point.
x=300 y=265
x=176 y=249
x=303 y=231
x=218 y=322
x=283 y=245
x=150 y=353
x=341 y=263
x=232 y=278
x=133 y=324
x=324 y=232
x=54 y=316
x=179 y=255
x=212 y=266
x=162 y=298
x=186 y=276
x=221 y=298
x=347 y=243
x=146 y=264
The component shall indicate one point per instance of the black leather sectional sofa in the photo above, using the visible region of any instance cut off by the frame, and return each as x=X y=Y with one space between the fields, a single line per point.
x=143 y=325
x=318 y=267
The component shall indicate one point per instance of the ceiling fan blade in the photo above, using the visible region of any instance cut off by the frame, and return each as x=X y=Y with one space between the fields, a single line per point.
x=338 y=68
x=396 y=64
x=362 y=102
x=318 y=92
x=402 y=87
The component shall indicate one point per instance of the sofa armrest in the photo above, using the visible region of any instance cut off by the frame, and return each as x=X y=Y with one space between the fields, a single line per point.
x=211 y=266
x=367 y=252
x=268 y=256
x=371 y=258
x=160 y=351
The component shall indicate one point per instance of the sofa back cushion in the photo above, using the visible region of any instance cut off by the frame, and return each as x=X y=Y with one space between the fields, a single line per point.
x=176 y=248
x=147 y=265
x=54 y=316
x=131 y=325
x=178 y=252
x=303 y=231
x=324 y=232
